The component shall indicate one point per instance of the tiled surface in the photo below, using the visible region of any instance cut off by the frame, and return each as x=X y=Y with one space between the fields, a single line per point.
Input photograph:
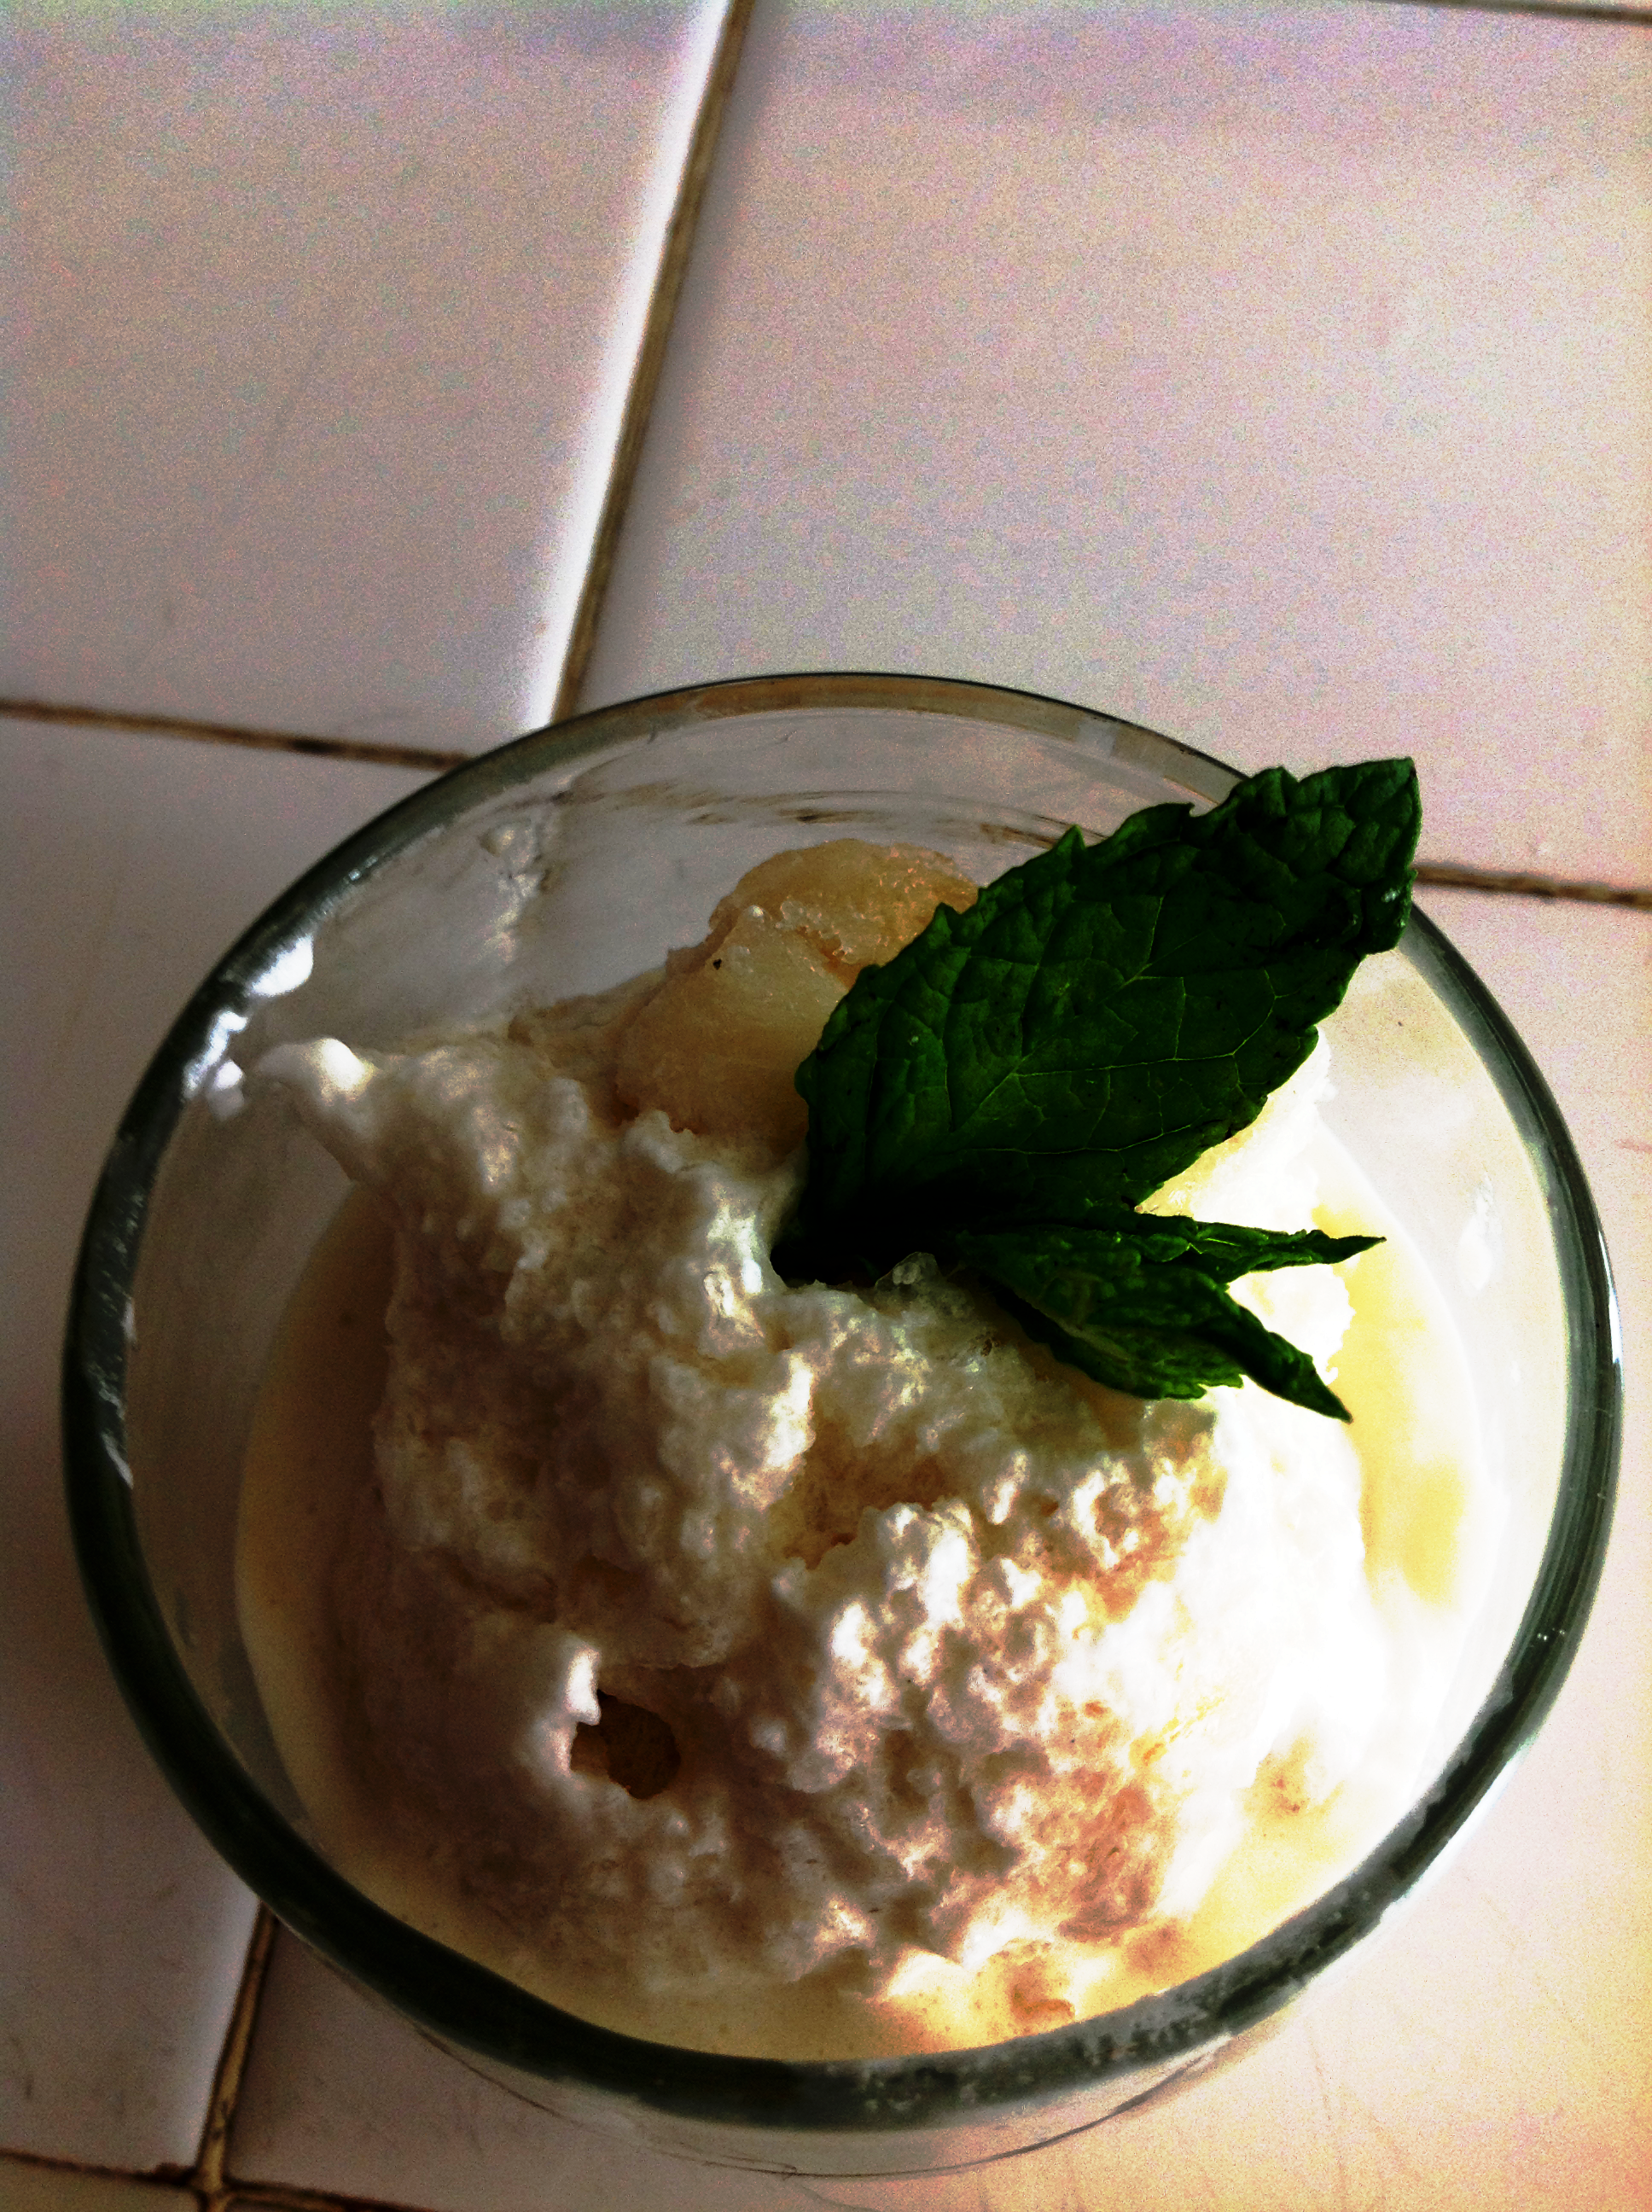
x=1277 y=376
x=26 y=2188
x=318 y=345
x=127 y=866
x=340 y=2096
x=1220 y=367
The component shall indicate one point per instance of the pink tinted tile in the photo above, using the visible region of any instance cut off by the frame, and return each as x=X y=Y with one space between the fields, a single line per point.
x=317 y=348
x=340 y=2095
x=127 y=866
x=25 y=2187
x=1280 y=377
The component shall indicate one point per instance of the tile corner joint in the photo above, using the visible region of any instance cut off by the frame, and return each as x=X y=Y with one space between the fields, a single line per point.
x=676 y=244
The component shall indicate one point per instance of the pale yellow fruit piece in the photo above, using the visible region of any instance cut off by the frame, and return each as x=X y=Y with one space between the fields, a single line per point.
x=717 y=1046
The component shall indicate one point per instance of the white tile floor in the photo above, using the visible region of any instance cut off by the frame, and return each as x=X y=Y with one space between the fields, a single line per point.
x=1221 y=367
x=1225 y=380
x=128 y=864
x=297 y=284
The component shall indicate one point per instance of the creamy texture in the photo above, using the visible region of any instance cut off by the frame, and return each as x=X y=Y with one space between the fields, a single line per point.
x=820 y=1670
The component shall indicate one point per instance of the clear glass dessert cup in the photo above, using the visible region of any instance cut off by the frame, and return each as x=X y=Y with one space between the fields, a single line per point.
x=564 y=863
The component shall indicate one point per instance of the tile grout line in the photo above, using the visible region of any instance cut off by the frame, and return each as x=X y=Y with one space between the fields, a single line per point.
x=207 y=2178
x=1449 y=875
x=365 y=750
x=675 y=249
x=154 y=2176
x=1575 y=10
x=1441 y=875
x=285 y=2196
x=255 y=2196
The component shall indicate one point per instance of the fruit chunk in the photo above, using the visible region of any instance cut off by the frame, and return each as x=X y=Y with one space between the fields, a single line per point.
x=717 y=1046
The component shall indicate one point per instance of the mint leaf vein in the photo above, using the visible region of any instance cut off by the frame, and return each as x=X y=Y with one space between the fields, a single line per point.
x=1008 y=1088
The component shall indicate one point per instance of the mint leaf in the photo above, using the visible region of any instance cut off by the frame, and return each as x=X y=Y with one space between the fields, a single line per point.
x=1141 y=1305
x=1016 y=1081
x=1101 y=1017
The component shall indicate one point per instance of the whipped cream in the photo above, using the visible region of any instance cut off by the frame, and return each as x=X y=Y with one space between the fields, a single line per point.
x=943 y=1654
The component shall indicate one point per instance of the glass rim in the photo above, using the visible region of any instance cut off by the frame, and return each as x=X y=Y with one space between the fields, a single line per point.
x=467 y=2004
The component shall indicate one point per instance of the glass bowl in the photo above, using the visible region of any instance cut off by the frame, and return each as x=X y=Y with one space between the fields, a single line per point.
x=564 y=863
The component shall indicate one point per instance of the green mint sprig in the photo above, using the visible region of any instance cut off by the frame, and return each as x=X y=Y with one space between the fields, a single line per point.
x=1008 y=1089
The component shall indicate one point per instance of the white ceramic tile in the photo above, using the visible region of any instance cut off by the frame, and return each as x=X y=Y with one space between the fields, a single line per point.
x=339 y=2095
x=1279 y=376
x=318 y=346
x=1496 y=2048
x=127 y=866
x=28 y=2188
